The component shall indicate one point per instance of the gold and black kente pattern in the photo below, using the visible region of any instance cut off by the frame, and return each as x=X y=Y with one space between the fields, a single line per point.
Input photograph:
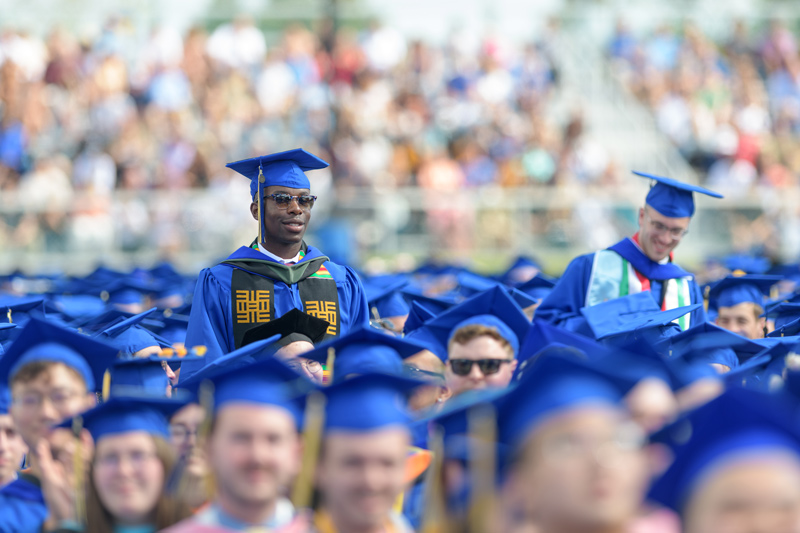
x=325 y=311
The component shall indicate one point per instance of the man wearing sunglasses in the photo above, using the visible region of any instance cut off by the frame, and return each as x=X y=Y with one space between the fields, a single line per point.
x=481 y=354
x=639 y=263
x=278 y=272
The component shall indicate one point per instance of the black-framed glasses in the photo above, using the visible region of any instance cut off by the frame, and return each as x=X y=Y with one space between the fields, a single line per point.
x=282 y=200
x=462 y=367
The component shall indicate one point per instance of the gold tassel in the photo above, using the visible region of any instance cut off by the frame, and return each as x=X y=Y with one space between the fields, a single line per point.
x=106 y=385
x=205 y=396
x=482 y=421
x=312 y=438
x=434 y=517
x=261 y=180
x=78 y=471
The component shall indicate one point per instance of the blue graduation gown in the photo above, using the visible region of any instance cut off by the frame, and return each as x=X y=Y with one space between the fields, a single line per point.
x=22 y=507
x=562 y=307
x=211 y=318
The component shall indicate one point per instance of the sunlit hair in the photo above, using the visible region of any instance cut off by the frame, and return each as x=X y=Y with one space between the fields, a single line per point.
x=473 y=331
x=33 y=370
x=168 y=511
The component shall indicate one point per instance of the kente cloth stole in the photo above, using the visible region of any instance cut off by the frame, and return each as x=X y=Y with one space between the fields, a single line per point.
x=613 y=276
x=253 y=292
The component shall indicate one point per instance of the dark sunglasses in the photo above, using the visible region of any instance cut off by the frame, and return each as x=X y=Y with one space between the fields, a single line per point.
x=283 y=200
x=462 y=367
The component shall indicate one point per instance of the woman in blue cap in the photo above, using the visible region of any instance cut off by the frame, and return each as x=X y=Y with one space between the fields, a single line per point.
x=641 y=263
x=125 y=491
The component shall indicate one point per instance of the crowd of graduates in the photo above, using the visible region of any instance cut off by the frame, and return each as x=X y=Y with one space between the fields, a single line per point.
x=454 y=409
x=280 y=391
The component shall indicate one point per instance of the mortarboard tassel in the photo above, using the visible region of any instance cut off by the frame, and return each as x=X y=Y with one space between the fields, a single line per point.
x=205 y=395
x=260 y=192
x=312 y=438
x=106 y=385
x=78 y=471
x=434 y=518
x=482 y=466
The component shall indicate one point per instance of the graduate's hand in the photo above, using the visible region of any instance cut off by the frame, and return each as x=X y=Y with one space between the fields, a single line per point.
x=54 y=466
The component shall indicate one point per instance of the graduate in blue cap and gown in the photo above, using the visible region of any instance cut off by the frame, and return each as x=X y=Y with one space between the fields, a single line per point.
x=278 y=272
x=126 y=483
x=22 y=506
x=739 y=303
x=253 y=446
x=478 y=340
x=736 y=466
x=573 y=458
x=53 y=374
x=363 y=459
x=641 y=263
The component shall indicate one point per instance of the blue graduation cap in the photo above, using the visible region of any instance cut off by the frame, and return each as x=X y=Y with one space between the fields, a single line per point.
x=387 y=298
x=418 y=315
x=552 y=385
x=436 y=305
x=78 y=305
x=368 y=402
x=240 y=357
x=508 y=319
x=538 y=287
x=764 y=371
x=18 y=309
x=640 y=359
x=543 y=334
x=782 y=313
x=5 y=399
x=265 y=381
x=128 y=337
x=673 y=198
x=748 y=264
x=470 y=283
x=43 y=341
x=366 y=351
x=734 y=290
x=522 y=270
x=129 y=290
x=127 y=414
x=286 y=169
x=144 y=375
x=707 y=336
x=173 y=328
x=631 y=314
x=5 y=331
x=738 y=421
x=523 y=299
x=789 y=329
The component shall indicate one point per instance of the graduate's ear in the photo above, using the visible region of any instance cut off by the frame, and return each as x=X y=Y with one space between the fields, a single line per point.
x=641 y=216
x=254 y=210
x=444 y=394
